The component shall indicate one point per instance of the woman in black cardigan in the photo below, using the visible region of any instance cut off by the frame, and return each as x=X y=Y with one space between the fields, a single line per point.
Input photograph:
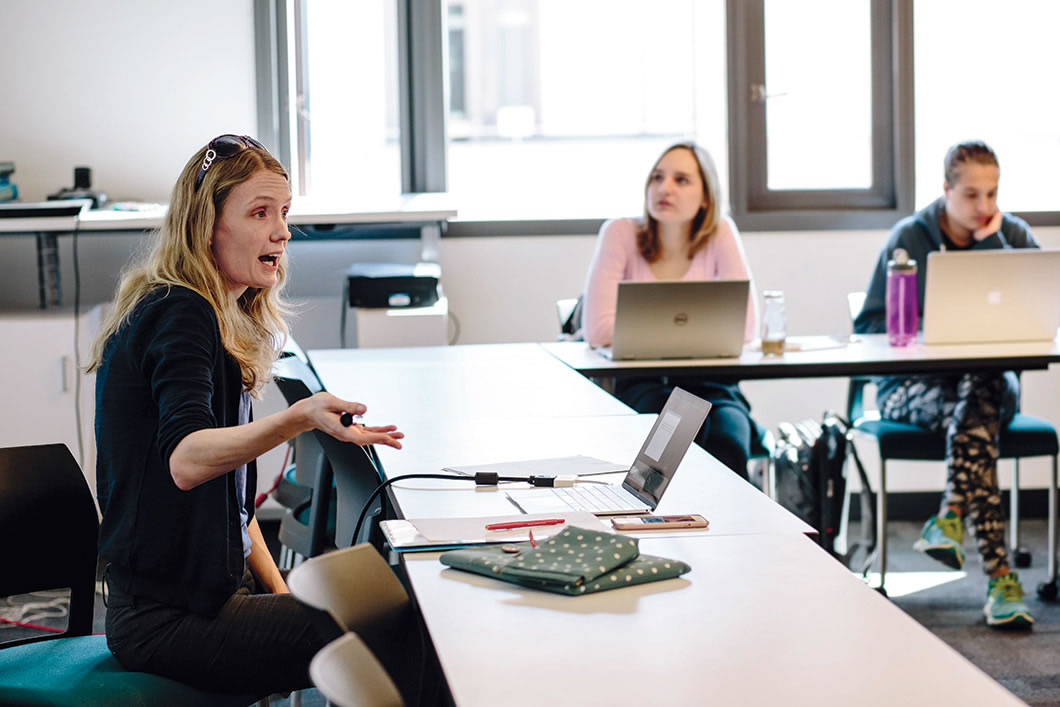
x=193 y=591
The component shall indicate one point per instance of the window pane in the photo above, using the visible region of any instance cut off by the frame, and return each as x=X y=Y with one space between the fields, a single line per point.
x=560 y=107
x=818 y=56
x=998 y=89
x=353 y=151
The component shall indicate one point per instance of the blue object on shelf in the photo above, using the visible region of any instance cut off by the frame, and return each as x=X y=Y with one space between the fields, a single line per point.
x=8 y=191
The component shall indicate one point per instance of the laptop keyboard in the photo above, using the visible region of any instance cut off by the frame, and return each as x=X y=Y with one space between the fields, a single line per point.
x=594 y=498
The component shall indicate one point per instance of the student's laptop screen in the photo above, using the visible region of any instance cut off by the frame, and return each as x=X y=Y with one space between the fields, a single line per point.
x=992 y=295
x=680 y=319
x=665 y=446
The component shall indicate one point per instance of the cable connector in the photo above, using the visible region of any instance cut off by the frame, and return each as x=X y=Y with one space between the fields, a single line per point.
x=557 y=481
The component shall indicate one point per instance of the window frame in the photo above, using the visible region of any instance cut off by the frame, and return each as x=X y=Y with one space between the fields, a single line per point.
x=424 y=100
x=754 y=205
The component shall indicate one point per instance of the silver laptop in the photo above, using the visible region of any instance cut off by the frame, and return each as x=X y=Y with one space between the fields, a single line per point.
x=694 y=319
x=992 y=295
x=656 y=463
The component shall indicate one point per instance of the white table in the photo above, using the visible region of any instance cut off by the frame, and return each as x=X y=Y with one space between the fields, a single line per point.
x=765 y=617
x=824 y=356
x=702 y=484
x=760 y=620
x=451 y=386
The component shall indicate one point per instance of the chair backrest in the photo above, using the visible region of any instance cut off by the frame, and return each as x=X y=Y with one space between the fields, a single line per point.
x=349 y=675
x=295 y=379
x=569 y=311
x=291 y=348
x=356 y=478
x=355 y=585
x=856 y=389
x=855 y=301
x=356 y=470
x=48 y=530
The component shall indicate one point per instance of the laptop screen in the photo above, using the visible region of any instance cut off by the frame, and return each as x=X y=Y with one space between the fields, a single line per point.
x=677 y=425
x=1010 y=294
x=680 y=319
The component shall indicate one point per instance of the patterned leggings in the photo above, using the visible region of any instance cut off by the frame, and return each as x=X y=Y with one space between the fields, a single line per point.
x=968 y=409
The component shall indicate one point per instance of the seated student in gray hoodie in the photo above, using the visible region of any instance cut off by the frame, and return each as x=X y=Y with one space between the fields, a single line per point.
x=969 y=408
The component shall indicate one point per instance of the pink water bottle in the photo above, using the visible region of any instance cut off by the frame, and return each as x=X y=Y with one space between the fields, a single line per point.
x=901 y=299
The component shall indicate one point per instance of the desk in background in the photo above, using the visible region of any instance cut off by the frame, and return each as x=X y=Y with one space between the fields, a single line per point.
x=825 y=356
x=863 y=354
x=424 y=213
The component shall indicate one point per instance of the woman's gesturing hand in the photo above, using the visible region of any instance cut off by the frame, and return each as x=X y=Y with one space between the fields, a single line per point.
x=324 y=411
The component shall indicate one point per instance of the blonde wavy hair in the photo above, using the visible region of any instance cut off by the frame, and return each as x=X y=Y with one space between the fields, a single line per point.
x=253 y=328
x=706 y=220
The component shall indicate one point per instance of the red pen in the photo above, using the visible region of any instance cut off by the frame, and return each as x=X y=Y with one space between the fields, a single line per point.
x=524 y=524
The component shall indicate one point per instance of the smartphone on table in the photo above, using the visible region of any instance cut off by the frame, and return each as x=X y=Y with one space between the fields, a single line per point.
x=659 y=522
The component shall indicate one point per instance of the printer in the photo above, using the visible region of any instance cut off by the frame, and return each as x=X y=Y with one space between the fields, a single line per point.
x=373 y=285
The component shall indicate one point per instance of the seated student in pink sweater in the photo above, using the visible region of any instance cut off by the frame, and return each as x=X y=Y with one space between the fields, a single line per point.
x=682 y=236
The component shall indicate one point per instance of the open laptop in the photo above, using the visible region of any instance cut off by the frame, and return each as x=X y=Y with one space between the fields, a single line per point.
x=992 y=295
x=677 y=425
x=693 y=319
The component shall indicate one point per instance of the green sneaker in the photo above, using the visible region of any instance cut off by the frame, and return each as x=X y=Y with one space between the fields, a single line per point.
x=941 y=539
x=1004 y=603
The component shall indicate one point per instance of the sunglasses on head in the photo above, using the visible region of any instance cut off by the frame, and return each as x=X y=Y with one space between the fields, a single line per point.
x=221 y=148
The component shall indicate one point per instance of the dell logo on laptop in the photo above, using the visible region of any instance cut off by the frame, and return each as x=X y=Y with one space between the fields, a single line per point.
x=680 y=319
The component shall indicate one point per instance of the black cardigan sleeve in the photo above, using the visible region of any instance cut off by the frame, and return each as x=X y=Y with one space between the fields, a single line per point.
x=180 y=344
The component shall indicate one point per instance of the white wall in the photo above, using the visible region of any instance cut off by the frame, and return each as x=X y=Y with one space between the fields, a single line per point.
x=129 y=88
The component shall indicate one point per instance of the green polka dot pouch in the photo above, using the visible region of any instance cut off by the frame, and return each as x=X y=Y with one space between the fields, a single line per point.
x=574 y=561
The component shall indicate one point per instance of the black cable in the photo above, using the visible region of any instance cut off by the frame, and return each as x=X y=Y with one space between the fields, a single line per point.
x=77 y=344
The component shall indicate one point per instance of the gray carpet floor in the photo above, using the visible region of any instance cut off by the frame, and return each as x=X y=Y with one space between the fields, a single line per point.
x=1027 y=663
x=944 y=601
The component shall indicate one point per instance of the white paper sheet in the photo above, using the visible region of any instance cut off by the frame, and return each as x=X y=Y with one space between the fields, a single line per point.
x=579 y=465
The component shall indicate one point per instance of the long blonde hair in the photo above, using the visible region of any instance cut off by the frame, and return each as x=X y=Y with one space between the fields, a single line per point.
x=706 y=220
x=253 y=328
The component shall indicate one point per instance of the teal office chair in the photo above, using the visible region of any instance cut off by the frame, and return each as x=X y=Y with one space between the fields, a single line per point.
x=48 y=530
x=1024 y=436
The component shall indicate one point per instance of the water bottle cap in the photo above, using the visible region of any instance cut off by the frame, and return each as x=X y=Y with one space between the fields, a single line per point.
x=901 y=261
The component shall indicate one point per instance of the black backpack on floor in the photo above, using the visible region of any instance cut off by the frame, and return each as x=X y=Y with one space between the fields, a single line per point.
x=810 y=471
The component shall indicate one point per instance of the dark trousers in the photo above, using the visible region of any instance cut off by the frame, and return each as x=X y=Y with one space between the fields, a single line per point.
x=257 y=644
x=728 y=431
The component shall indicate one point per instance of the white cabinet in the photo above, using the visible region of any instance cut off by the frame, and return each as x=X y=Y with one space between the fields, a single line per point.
x=40 y=381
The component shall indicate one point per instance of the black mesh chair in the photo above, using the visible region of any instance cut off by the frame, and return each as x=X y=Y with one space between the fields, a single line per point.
x=305 y=489
x=356 y=472
x=48 y=530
